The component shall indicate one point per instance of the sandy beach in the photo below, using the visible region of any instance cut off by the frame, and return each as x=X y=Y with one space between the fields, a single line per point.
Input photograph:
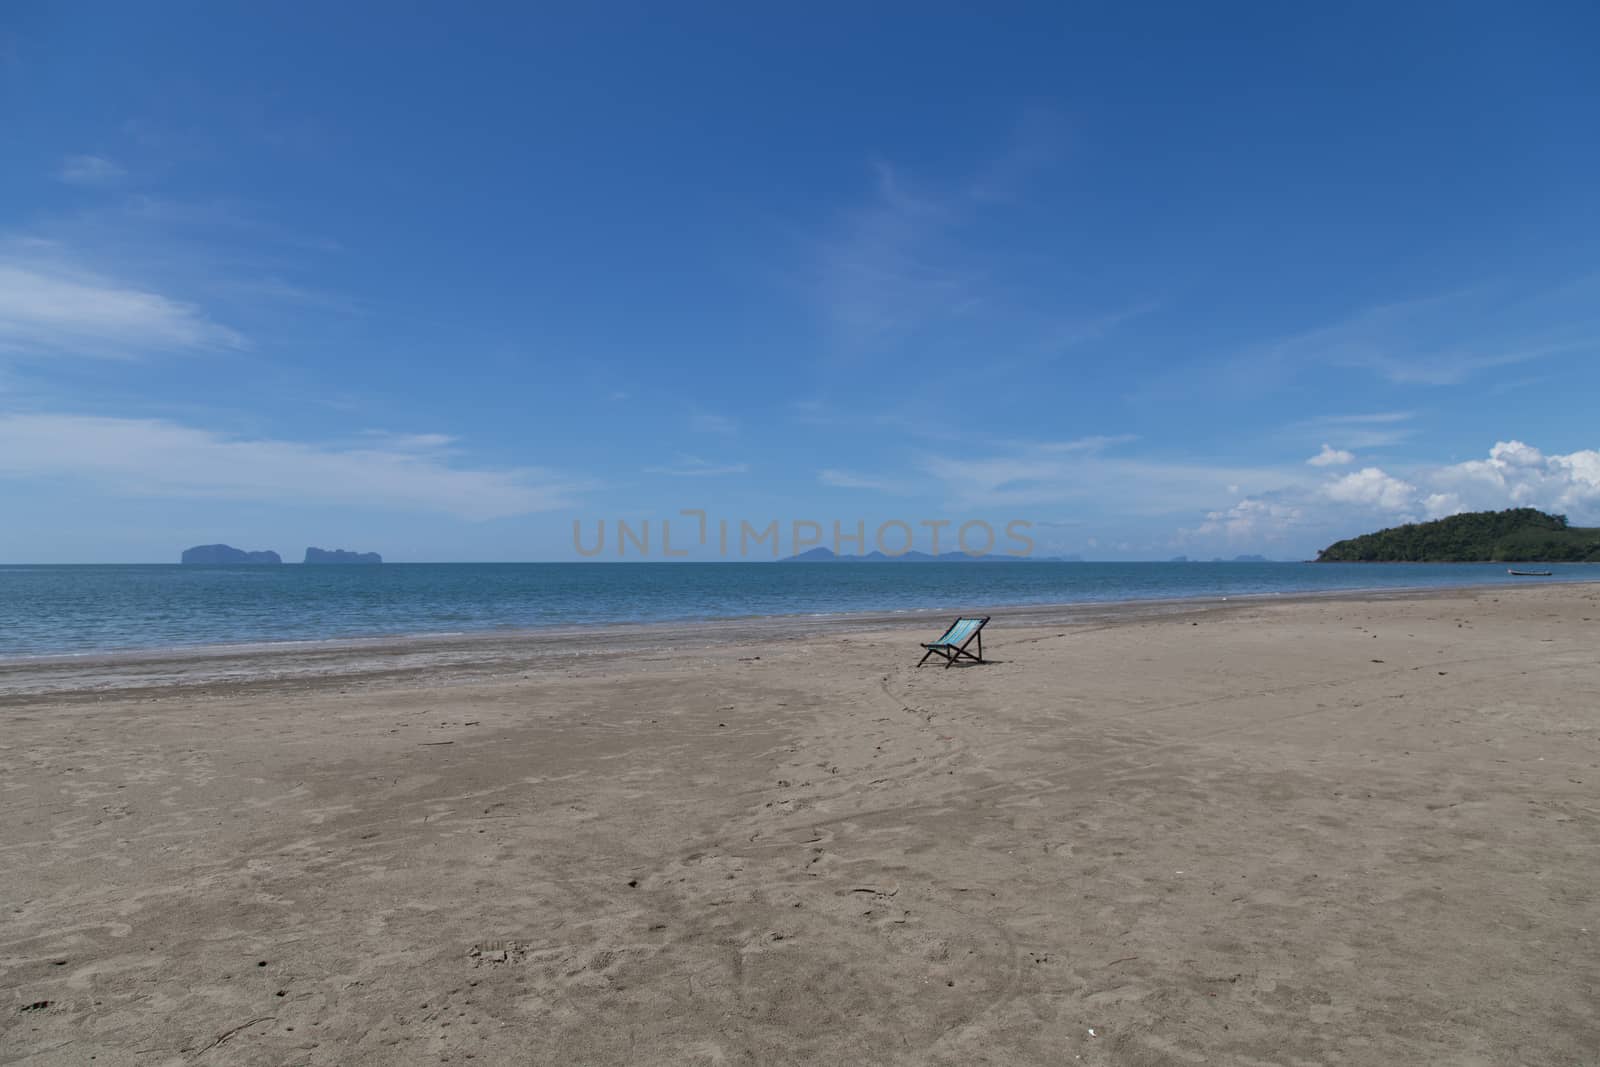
x=1352 y=830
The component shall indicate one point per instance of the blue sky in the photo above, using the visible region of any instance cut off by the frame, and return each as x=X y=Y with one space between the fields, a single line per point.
x=1159 y=280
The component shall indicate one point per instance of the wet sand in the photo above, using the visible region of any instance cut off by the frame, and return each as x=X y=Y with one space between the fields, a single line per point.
x=1321 y=831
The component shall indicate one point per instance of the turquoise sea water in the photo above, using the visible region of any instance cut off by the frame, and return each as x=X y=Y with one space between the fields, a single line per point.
x=48 y=610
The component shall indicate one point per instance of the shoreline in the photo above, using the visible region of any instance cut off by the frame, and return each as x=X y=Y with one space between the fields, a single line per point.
x=487 y=653
x=84 y=632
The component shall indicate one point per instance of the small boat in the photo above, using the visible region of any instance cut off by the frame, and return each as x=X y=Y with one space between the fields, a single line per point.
x=1529 y=574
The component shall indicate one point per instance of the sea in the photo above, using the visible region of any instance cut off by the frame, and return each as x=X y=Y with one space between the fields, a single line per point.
x=49 y=610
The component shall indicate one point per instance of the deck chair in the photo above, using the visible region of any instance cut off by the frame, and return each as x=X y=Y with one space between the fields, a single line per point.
x=953 y=644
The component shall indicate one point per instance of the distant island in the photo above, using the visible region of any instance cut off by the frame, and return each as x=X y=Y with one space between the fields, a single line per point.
x=339 y=555
x=828 y=555
x=201 y=554
x=1219 y=559
x=1516 y=535
x=227 y=554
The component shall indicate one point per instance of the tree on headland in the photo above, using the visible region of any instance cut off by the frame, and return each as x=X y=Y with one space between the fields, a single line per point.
x=1516 y=535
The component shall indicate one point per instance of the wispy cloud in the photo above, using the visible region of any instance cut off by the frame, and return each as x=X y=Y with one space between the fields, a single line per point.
x=158 y=458
x=818 y=413
x=912 y=254
x=1086 y=473
x=1448 y=339
x=840 y=479
x=275 y=290
x=1059 y=337
x=695 y=467
x=1370 y=430
x=1038 y=140
x=409 y=442
x=90 y=171
x=704 y=422
x=216 y=218
x=48 y=306
x=885 y=270
x=134 y=276
x=1095 y=443
x=1079 y=331
x=1456 y=366
x=1370 y=418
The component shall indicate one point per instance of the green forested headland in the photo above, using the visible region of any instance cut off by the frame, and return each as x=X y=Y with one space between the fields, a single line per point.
x=1516 y=535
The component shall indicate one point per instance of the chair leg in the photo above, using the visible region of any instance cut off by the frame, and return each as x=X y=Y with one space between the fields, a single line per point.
x=950 y=655
x=962 y=651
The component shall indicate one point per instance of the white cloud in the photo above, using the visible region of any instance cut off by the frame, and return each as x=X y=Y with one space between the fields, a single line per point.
x=157 y=458
x=1519 y=475
x=1252 y=519
x=1372 y=488
x=1441 y=505
x=46 y=307
x=1294 y=505
x=1332 y=457
x=695 y=467
x=90 y=170
x=1514 y=474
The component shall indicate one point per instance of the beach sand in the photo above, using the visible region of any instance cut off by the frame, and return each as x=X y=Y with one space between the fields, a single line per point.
x=1319 y=831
